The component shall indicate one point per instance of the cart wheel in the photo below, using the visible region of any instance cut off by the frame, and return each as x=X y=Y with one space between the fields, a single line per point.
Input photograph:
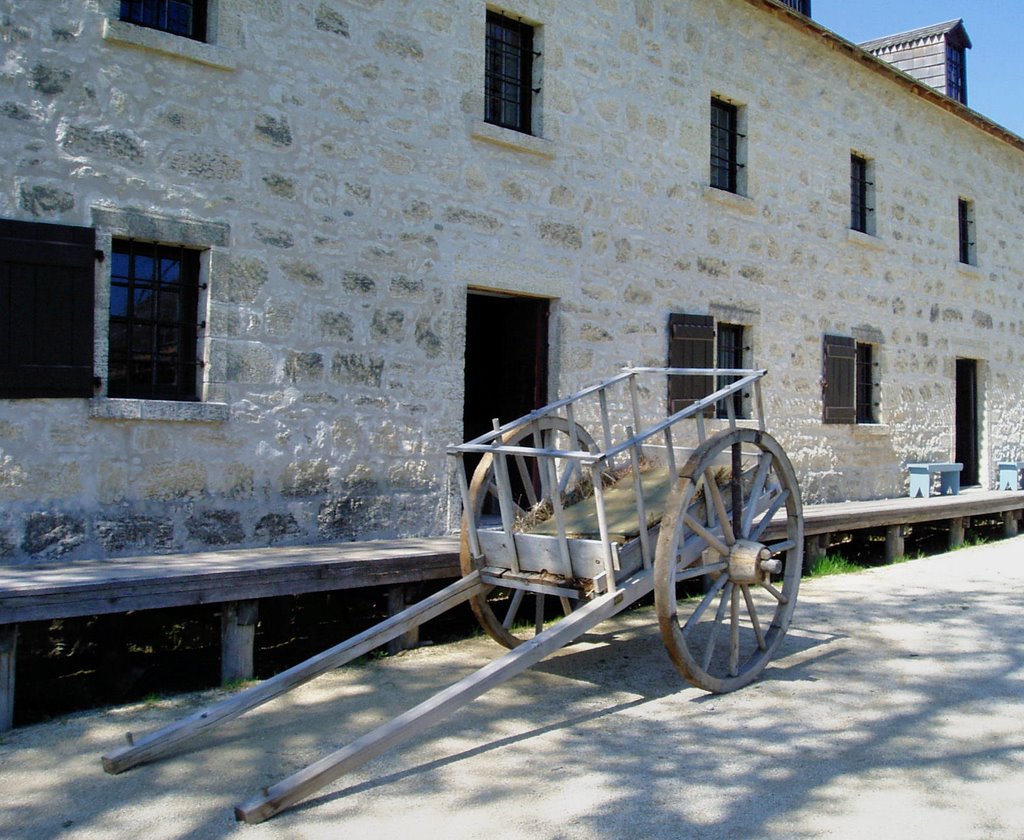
x=713 y=548
x=512 y=616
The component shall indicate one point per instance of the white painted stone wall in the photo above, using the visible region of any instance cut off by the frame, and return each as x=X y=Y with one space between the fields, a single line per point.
x=331 y=155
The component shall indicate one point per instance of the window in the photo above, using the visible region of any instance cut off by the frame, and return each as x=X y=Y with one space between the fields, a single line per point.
x=186 y=18
x=508 y=84
x=862 y=211
x=47 y=279
x=965 y=227
x=802 y=6
x=730 y=355
x=694 y=343
x=956 y=73
x=154 y=291
x=848 y=385
x=865 y=383
x=725 y=146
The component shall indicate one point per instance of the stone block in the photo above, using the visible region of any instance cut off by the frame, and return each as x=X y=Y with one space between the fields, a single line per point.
x=53 y=534
x=216 y=527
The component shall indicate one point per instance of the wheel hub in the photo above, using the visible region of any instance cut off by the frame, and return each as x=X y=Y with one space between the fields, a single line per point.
x=750 y=562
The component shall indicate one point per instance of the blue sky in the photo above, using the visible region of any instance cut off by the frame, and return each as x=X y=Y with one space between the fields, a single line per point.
x=995 y=66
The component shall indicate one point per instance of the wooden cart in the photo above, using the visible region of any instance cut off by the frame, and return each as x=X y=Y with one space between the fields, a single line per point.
x=570 y=509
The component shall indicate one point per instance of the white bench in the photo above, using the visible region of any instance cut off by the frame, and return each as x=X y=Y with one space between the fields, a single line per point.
x=1009 y=475
x=921 y=479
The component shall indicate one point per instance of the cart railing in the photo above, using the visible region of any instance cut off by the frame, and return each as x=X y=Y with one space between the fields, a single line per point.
x=519 y=451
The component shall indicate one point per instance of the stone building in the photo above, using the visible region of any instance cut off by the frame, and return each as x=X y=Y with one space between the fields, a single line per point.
x=262 y=261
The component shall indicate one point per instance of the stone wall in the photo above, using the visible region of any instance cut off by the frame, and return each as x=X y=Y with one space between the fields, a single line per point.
x=330 y=159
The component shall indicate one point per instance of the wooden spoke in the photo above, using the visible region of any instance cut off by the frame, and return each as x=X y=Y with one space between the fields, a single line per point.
x=762 y=645
x=705 y=602
x=513 y=608
x=709 y=650
x=757 y=623
x=538 y=613
x=712 y=539
x=527 y=479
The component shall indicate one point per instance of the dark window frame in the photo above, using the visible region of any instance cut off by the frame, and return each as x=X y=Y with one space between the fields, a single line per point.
x=729 y=353
x=153 y=321
x=860 y=184
x=801 y=6
x=185 y=18
x=965 y=224
x=508 y=73
x=956 y=73
x=725 y=143
x=865 y=396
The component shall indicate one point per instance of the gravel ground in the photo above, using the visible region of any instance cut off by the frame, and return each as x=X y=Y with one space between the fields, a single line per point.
x=895 y=710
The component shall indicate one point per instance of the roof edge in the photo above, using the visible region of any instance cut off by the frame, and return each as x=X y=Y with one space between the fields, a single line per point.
x=883 y=67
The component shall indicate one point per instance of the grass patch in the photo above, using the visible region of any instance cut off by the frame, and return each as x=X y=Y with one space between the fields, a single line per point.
x=832 y=564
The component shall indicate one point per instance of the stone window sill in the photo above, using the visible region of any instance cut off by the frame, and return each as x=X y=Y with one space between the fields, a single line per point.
x=128 y=34
x=868 y=240
x=969 y=270
x=871 y=429
x=734 y=201
x=105 y=408
x=510 y=139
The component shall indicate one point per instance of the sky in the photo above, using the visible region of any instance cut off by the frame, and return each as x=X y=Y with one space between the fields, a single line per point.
x=995 y=64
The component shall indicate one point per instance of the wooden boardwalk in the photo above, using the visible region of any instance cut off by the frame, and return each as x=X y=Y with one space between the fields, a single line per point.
x=238 y=578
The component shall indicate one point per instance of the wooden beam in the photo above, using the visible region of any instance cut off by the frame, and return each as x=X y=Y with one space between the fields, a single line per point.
x=298 y=786
x=166 y=739
x=237 y=640
x=895 y=547
x=8 y=651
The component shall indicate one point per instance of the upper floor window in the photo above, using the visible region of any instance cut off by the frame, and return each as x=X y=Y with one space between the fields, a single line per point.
x=956 y=73
x=965 y=226
x=725 y=146
x=862 y=211
x=154 y=294
x=508 y=83
x=802 y=6
x=186 y=18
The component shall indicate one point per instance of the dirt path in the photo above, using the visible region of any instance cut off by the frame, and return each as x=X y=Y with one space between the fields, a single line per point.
x=895 y=710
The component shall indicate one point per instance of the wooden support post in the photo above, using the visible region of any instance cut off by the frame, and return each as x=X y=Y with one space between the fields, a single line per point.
x=894 y=545
x=815 y=547
x=1010 y=523
x=237 y=640
x=957 y=526
x=397 y=601
x=8 y=648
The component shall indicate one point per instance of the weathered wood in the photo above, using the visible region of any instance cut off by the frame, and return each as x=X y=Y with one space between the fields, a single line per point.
x=298 y=786
x=8 y=650
x=957 y=526
x=162 y=741
x=398 y=600
x=237 y=639
x=48 y=591
x=1010 y=523
x=894 y=543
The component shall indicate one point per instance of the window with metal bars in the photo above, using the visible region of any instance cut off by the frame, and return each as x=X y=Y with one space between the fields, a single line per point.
x=724 y=145
x=730 y=355
x=956 y=73
x=508 y=83
x=186 y=18
x=802 y=6
x=865 y=383
x=860 y=195
x=154 y=296
x=965 y=225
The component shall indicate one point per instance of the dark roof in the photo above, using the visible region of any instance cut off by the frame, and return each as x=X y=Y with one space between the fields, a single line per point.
x=952 y=30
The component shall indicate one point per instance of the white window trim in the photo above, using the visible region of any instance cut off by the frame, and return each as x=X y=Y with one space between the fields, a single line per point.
x=211 y=52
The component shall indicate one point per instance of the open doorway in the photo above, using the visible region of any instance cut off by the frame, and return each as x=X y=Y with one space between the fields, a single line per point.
x=966 y=420
x=506 y=358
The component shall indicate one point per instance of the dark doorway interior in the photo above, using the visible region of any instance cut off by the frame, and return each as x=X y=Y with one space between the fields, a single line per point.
x=506 y=359
x=966 y=419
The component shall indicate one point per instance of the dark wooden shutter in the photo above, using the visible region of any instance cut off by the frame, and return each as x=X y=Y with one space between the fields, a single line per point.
x=691 y=344
x=46 y=309
x=839 y=404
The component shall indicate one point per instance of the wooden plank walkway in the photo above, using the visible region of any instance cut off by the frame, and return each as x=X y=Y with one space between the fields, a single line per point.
x=238 y=578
